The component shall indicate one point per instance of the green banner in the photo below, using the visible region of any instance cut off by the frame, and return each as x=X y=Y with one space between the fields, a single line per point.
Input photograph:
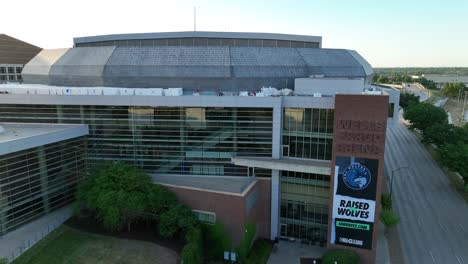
x=352 y=225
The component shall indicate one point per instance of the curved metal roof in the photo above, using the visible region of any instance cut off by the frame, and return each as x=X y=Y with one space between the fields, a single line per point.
x=197 y=34
x=193 y=67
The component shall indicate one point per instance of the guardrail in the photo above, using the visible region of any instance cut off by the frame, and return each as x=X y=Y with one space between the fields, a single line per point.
x=35 y=237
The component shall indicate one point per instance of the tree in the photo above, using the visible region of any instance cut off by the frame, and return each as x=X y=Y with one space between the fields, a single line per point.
x=380 y=79
x=427 y=83
x=453 y=89
x=455 y=157
x=178 y=219
x=159 y=200
x=423 y=115
x=407 y=99
x=439 y=134
x=117 y=194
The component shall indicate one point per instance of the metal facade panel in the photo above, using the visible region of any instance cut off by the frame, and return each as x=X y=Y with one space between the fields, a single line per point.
x=37 y=70
x=171 y=56
x=266 y=56
x=327 y=57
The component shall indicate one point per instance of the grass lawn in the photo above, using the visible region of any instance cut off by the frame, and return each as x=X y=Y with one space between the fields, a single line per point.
x=71 y=246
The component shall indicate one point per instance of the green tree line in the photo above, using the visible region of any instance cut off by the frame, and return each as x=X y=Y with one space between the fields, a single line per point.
x=451 y=141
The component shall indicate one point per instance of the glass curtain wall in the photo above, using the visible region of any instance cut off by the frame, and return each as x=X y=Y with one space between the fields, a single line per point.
x=164 y=140
x=304 y=205
x=38 y=180
x=307 y=133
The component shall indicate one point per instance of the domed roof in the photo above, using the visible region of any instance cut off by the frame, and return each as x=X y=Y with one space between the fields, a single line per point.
x=197 y=67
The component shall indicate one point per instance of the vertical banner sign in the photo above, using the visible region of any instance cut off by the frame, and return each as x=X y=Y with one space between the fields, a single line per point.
x=359 y=128
x=354 y=197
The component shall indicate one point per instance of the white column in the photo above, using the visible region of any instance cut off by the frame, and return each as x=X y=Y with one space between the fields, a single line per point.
x=275 y=174
x=275 y=203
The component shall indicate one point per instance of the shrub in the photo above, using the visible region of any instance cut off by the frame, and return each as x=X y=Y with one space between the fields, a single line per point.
x=341 y=256
x=244 y=247
x=192 y=253
x=218 y=240
x=389 y=218
x=386 y=201
x=3 y=260
x=260 y=252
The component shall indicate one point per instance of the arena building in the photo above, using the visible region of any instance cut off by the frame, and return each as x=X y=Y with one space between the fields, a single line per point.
x=270 y=129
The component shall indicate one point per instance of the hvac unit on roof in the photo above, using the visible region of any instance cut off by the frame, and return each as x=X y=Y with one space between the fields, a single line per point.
x=316 y=76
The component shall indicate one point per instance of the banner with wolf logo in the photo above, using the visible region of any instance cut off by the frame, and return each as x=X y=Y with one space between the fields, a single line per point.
x=354 y=201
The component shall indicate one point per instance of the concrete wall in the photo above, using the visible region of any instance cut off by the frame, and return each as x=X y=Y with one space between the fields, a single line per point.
x=327 y=86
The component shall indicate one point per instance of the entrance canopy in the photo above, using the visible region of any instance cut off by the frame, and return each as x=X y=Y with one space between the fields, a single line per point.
x=285 y=164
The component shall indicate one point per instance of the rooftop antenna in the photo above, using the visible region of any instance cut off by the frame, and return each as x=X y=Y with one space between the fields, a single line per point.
x=194 y=18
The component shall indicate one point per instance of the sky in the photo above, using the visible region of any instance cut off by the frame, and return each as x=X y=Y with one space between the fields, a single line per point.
x=390 y=33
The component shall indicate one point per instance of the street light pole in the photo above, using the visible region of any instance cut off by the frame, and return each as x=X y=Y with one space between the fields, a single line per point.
x=463 y=111
x=391 y=179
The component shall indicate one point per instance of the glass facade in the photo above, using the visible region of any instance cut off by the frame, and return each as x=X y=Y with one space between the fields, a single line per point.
x=164 y=140
x=307 y=133
x=304 y=205
x=38 y=180
x=201 y=141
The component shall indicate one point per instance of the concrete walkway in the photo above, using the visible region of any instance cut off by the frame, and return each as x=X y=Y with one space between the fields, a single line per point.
x=382 y=255
x=18 y=241
x=291 y=252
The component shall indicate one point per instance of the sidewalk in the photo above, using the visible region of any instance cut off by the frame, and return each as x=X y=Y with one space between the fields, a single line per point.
x=382 y=254
x=291 y=252
x=18 y=241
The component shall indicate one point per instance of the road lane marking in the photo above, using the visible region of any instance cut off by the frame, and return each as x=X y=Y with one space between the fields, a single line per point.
x=458 y=259
x=462 y=228
x=432 y=256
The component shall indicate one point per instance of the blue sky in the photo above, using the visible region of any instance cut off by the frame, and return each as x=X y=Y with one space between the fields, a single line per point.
x=387 y=33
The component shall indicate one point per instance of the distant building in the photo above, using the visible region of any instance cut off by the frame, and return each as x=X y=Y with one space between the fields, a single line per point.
x=441 y=79
x=14 y=54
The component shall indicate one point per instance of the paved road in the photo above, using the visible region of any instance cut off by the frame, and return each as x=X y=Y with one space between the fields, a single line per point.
x=434 y=217
x=418 y=90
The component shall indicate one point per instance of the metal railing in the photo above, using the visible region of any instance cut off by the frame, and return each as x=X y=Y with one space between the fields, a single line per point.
x=29 y=241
